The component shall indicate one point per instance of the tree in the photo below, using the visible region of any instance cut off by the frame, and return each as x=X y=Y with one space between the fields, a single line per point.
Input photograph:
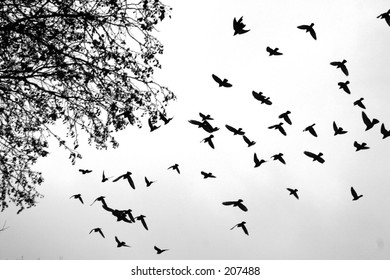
x=86 y=63
x=4 y=228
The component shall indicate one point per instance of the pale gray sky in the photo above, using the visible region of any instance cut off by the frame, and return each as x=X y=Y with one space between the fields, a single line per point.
x=184 y=212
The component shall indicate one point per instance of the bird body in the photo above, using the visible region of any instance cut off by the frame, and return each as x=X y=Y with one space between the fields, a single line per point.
x=385 y=16
x=238 y=27
x=310 y=29
x=237 y=203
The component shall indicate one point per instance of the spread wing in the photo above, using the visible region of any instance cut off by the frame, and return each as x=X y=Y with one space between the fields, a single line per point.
x=313 y=33
x=131 y=182
x=335 y=63
x=269 y=50
x=281 y=129
x=117 y=240
x=217 y=79
x=144 y=223
x=211 y=143
x=101 y=233
x=120 y=177
x=310 y=154
x=226 y=84
x=304 y=27
x=255 y=159
x=335 y=128
x=232 y=129
x=383 y=130
x=245 y=229
x=313 y=132
x=344 y=69
x=229 y=203
x=242 y=207
x=353 y=192
x=366 y=120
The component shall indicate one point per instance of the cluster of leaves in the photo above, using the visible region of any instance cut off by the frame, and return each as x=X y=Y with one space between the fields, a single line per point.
x=87 y=63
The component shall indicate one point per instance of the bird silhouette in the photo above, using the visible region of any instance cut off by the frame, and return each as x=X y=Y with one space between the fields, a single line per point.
x=310 y=29
x=164 y=118
x=344 y=86
x=152 y=126
x=385 y=133
x=237 y=203
x=159 y=251
x=359 y=103
x=257 y=161
x=315 y=157
x=85 y=171
x=99 y=230
x=311 y=129
x=175 y=167
x=385 y=16
x=362 y=146
x=205 y=125
x=148 y=183
x=341 y=65
x=142 y=219
x=355 y=195
x=205 y=117
x=338 y=130
x=248 y=142
x=77 y=196
x=129 y=214
x=285 y=117
x=100 y=198
x=241 y=225
x=239 y=26
x=221 y=83
x=369 y=123
x=207 y=175
x=278 y=127
x=104 y=178
x=293 y=192
x=209 y=141
x=260 y=97
x=273 y=51
x=235 y=131
x=127 y=176
x=279 y=157
x=120 y=243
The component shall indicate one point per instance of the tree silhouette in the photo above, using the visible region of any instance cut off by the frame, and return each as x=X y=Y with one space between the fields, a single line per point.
x=86 y=63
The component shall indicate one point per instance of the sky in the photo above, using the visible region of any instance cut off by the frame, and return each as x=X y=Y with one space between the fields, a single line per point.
x=185 y=212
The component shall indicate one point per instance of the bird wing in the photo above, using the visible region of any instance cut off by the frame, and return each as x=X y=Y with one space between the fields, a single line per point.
x=120 y=177
x=281 y=129
x=313 y=132
x=269 y=50
x=256 y=95
x=234 y=227
x=81 y=200
x=346 y=88
x=242 y=207
x=255 y=159
x=235 y=24
x=101 y=233
x=195 y=123
x=335 y=63
x=267 y=101
x=296 y=195
x=229 y=203
x=272 y=126
x=290 y=190
x=353 y=192
x=313 y=33
x=287 y=119
x=157 y=249
x=387 y=18
x=211 y=143
x=117 y=240
x=246 y=140
x=217 y=79
x=366 y=120
x=344 y=69
x=335 y=128
x=282 y=160
x=383 y=130
x=245 y=229
x=304 y=27
x=232 y=129
x=202 y=116
x=310 y=154
x=91 y=231
x=147 y=181
x=144 y=223
x=131 y=182
x=177 y=169
x=227 y=84
x=203 y=173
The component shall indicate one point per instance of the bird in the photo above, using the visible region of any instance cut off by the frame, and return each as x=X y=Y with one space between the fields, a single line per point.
x=207 y=175
x=175 y=167
x=338 y=130
x=104 y=178
x=235 y=131
x=165 y=119
x=293 y=192
x=77 y=196
x=127 y=176
x=279 y=157
x=362 y=146
x=159 y=251
x=237 y=203
x=273 y=51
x=344 y=86
x=278 y=127
x=239 y=26
x=241 y=225
x=221 y=83
x=209 y=141
x=315 y=157
x=341 y=65
x=257 y=161
x=142 y=219
x=120 y=243
x=359 y=103
x=311 y=129
x=369 y=123
x=249 y=142
x=285 y=117
x=310 y=29
x=205 y=125
x=205 y=117
x=148 y=183
x=260 y=97
x=355 y=195
x=385 y=16
x=99 y=230
x=100 y=198
x=85 y=171
x=385 y=133
x=152 y=126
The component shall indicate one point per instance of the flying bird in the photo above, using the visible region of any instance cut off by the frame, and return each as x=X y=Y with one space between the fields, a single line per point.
x=175 y=167
x=362 y=146
x=293 y=192
x=310 y=29
x=209 y=141
x=369 y=123
x=205 y=117
x=260 y=97
x=221 y=83
x=338 y=130
x=355 y=195
x=341 y=65
x=315 y=157
x=99 y=230
x=239 y=26
x=77 y=196
x=104 y=178
x=148 y=183
x=257 y=161
x=385 y=16
x=205 y=125
x=248 y=142
x=85 y=171
x=285 y=117
x=235 y=131
x=278 y=127
x=164 y=118
x=207 y=175
x=142 y=219
x=159 y=251
x=385 y=133
x=241 y=225
x=152 y=126
x=120 y=243
x=344 y=86
x=100 y=198
x=127 y=176
x=237 y=203
x=279 y=157
x=273 y=51
x=311 y=129
x=359 y=103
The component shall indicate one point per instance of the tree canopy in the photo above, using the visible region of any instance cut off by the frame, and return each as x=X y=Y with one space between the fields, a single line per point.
x=86 y=63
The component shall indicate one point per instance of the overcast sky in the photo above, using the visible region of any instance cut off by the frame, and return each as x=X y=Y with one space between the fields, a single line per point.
x=185 y=212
